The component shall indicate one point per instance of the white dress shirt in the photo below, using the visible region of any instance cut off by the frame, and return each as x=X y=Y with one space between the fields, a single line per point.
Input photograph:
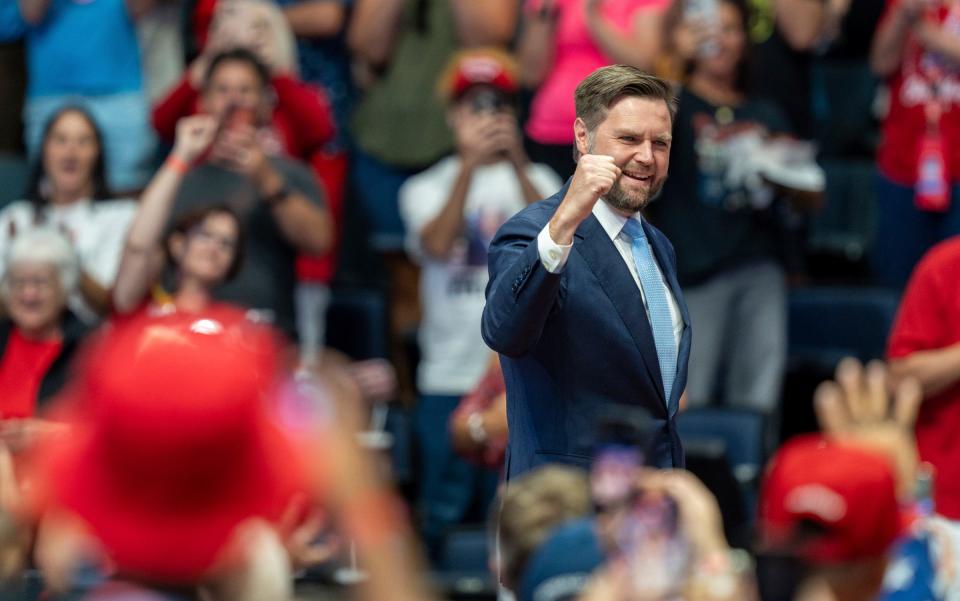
x=554 y=256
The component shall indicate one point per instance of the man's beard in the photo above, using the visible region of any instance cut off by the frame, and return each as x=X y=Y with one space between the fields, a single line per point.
x=620 y=199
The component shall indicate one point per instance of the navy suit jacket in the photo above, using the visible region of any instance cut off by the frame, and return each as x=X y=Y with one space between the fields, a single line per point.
x=575 y=340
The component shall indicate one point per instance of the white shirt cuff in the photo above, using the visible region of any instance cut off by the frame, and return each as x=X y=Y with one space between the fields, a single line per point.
x=553 y=256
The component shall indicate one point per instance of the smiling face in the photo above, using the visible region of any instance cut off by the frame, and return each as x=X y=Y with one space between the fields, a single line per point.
x=206 y=252
x=70 y=153
x=636 y=133
x=233 y=83
x=35 y=297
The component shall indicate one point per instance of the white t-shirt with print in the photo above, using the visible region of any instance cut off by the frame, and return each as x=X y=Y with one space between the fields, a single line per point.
x=453 y=354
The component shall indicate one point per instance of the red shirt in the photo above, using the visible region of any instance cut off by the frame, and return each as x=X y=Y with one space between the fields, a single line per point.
x=905 y=124
x=302 y=116
x=929 y=319
x=22 y=367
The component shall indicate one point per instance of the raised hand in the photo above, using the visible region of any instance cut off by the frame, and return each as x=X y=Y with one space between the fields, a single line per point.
x=194 y=136
x=238 y=149
x=596 y=174
x=477 y=139
x=859 y=408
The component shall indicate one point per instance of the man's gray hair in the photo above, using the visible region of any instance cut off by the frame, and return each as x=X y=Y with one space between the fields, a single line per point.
x=44 y=246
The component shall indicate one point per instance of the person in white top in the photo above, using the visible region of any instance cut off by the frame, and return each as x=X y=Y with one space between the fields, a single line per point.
x=68 y=192
x=451 y=212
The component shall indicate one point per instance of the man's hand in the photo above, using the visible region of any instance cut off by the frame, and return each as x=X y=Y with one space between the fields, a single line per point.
x=911 y=10
x=700 y=518
x=479 y=138
x=509 y=140
x=857 y=408
x=595 y=176
x=238 y=149
x=194 y=135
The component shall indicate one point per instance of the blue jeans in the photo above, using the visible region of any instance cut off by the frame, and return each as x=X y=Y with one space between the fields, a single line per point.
x=905 y=233
x=377 y=187
x=449 y=485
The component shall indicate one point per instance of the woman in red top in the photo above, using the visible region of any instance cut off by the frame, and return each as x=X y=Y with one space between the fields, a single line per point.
x=917 y=48
x=302 y=119
x=40 y=335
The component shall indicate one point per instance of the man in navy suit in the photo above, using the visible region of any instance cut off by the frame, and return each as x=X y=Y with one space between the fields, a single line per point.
x=583 y=303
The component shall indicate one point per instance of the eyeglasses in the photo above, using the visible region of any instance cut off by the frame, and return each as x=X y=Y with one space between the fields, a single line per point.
x=40 y=283
x=224 y=243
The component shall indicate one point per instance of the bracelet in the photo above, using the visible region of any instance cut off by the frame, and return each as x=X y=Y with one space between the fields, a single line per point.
x=177 y=164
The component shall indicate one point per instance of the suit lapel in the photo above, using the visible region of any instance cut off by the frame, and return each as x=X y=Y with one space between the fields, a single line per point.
x=605 y=261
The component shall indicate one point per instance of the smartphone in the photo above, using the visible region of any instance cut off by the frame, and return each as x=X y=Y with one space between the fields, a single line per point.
x=620 y=439
x=649 y=540
x=238 y=116
x=485 y=100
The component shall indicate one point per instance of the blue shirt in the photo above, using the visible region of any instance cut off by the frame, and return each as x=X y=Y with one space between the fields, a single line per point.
x=83 y=47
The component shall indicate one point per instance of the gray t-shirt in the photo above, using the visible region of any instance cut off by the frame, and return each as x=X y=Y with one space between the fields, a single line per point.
x=268 y=275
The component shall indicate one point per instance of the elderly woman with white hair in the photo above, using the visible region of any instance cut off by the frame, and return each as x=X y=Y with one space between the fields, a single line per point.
x=40 y=334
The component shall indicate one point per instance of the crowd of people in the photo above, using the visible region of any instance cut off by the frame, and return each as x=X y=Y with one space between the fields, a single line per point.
x=203 y=174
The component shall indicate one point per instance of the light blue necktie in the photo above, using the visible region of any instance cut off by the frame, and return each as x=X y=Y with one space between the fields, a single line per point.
x=657 y=304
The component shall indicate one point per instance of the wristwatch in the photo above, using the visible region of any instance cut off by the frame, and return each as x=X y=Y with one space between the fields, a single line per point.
x=478 y=433
x=282 y=193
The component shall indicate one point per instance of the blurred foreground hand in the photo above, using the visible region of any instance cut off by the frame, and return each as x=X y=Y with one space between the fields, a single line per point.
x=862 y=407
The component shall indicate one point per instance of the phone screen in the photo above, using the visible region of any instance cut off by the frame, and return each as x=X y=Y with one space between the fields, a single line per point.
x=239 y=116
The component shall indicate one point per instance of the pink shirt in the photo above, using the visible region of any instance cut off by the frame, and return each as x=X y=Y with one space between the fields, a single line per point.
x=575 y=56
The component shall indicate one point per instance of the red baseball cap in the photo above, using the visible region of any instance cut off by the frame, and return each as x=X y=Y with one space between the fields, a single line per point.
x=846 y=492
x=478 y=66
x=173 y=443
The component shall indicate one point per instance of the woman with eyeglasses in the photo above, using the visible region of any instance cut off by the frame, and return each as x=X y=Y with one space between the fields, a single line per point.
x=203 y=247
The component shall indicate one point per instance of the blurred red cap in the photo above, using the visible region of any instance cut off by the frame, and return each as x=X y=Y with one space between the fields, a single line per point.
x=478 y=66
x=174 y=444
x=846 y=492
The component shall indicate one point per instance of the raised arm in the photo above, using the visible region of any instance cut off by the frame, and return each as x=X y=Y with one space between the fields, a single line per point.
x=940 y=39
x=373 y=30
x=307 y=226
x=33 y=11
x=521 y=293
x=316 y=19
x=639 y=47
x=487 y=23
x=889 y=41
x=801 y=22
x=138 y=8
x=535 y=48
x=142 y=257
